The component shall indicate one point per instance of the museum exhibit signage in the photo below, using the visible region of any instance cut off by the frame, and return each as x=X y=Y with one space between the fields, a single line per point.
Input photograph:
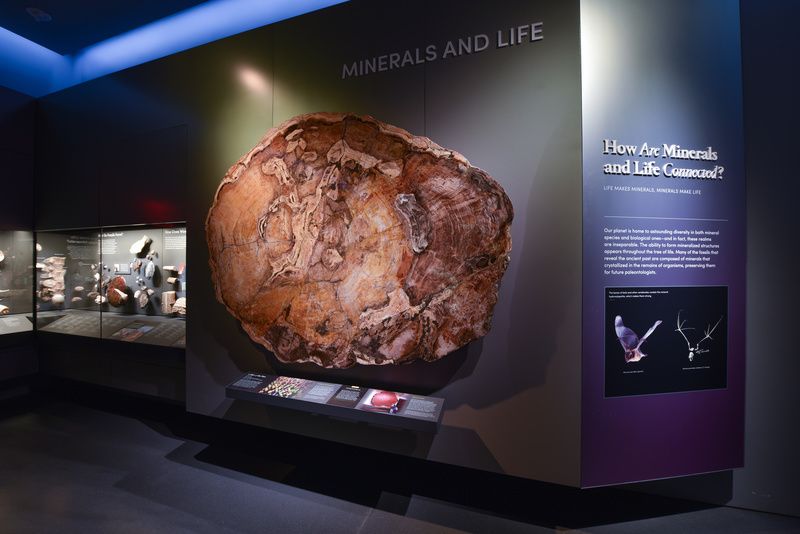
x=370 y=405
x=664 y=256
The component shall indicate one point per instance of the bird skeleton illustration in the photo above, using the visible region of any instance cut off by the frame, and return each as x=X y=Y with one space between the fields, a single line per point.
x=630 y=341
x=694 y=350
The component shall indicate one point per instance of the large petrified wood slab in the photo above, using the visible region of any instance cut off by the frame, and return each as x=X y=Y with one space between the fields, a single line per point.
x=339 y=240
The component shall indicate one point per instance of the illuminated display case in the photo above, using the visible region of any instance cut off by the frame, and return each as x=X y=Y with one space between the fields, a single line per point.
x=121 y=283
x=16 y=281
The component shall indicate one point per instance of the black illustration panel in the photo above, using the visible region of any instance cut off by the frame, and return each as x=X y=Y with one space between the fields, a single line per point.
x=665 y=339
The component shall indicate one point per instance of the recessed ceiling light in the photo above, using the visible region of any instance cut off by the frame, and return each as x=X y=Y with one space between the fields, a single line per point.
x=38 y=15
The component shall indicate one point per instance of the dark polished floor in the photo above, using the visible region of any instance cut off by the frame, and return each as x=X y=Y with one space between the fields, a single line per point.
x=86 y=460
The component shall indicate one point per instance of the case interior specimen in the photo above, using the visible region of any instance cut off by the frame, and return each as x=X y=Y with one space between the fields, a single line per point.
x=122 y=283
x=16 y=281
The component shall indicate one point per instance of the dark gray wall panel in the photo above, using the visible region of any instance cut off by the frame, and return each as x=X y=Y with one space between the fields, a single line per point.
x=17 y=113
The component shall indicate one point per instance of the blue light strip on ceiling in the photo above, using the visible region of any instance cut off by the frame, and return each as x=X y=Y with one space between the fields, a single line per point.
x=28 y=67
x=32 y=69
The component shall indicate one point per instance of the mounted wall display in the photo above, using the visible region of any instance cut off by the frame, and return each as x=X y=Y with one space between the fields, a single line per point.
x=121 y=283
x=380 y=247
x=413 y=204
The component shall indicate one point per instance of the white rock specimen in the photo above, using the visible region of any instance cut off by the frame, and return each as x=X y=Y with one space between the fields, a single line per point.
x=4 y=310
x=140 y=247
x=172 y=280
x=150 y=270
x=58 y=299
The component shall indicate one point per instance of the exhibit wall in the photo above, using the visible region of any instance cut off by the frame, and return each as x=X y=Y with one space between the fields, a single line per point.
x=499 y=88
x=17 y=120
x=424 y=208
x=101 y=166
x=664 y=240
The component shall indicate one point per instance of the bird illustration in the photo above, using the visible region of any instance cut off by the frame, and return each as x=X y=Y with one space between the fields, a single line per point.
x=630 y=341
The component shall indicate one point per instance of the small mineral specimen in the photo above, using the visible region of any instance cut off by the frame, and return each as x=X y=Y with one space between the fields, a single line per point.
x=51 y=279
x=78 y=289
x=341 y=240
x=142 y=298
x=150 y=270
x=4 y=310
x=75 y=300
x=168 y=299
x=170 y=268
x=172 y=280
x=2 y=256
x=384 y=399
x=58 y=299
x=180 y=307
x=140 y=247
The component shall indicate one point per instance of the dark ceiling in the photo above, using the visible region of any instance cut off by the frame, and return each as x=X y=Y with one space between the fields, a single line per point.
x=77 y=24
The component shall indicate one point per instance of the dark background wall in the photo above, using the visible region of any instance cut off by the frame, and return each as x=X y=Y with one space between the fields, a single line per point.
x=769 y=479
x=772 y=465
x=110 y=153
x=16 y=159
x=17 y=111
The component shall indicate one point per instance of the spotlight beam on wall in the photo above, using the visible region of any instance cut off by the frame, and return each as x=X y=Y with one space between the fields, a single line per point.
x=35 y=70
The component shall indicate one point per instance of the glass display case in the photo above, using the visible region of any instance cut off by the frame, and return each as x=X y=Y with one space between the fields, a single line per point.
x=122 y=283
x=16 y=281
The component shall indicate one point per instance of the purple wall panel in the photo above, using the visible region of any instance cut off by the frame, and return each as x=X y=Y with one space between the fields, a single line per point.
x=662 y=74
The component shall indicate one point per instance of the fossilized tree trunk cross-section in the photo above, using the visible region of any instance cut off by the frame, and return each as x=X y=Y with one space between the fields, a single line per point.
x=339 y=240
